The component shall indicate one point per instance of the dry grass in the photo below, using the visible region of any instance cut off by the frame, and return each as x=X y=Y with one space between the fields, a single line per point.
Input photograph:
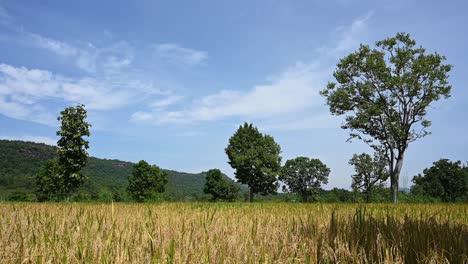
x=233 y=233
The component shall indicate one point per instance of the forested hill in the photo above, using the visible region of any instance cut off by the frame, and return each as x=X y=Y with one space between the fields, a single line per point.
x=20 y=161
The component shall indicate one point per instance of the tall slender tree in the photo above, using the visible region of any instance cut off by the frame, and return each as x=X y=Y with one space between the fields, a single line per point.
x=256 y=159
x=384 y=93
x=72 y=147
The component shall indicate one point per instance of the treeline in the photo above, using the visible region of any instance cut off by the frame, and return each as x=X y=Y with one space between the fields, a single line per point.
x=301 y=178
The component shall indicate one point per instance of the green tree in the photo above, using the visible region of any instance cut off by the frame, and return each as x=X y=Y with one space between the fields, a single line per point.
x=445 y=180
x=145 y=181
x=219 y=188
x=50 y=184
x=384 y=93
x=304 y=176
x=369 y=172
x=72 y=147
x=256 y=159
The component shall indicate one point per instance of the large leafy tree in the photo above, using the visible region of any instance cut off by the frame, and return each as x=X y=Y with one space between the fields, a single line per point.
x=445 y=180
x=72 y=147
x=304 y=176
x=256 y=159
x=218 y=187
x=384 y=93
x=369 y=172
x=146 y=181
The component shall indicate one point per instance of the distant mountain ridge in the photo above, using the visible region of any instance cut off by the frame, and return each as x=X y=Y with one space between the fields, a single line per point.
x=20 y=161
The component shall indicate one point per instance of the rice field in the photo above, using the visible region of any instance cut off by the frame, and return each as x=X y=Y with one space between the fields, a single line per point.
x=233 y=233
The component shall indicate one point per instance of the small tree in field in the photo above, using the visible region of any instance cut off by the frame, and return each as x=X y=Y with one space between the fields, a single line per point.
x=304 y=176
x=49 y=182
x=369 y=172
x=72 y=154
x=145 y=181
x=384 y=94
x=218 y=187
x=256 y=159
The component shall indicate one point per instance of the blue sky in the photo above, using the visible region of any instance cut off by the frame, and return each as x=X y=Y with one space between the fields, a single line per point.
x=170 y=81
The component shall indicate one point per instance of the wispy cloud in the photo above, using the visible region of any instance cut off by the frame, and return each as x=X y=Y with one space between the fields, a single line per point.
x=348 y=37
x=167 y=101
x=175 y=54
x=23 y=92
x=58 y=47
x=279 y=100
x=37 y=139
x=293 y=90
x=89 y=58
x=111 y=75
x=105 y=81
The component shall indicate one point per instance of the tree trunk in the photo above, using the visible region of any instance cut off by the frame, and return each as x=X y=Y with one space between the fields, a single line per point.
x=251 y=198
x=395 y=175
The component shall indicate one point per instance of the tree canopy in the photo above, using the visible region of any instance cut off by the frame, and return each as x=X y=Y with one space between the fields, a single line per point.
x=304 y=176
x=146 y=181
x=384 y=93
x=445 y=180
x=255 y=158
x=219 y=188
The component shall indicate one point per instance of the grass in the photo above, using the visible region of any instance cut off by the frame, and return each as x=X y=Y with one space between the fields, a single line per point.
x=233 y=233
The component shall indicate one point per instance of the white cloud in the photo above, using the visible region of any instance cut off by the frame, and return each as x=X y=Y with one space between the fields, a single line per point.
x=89 y=58
x=163 y=103
x=23 y=92
x=349 y=37
x=55 y=46
x=294 y=92
x=178 y=55
x=112 y=75
x=37 y=139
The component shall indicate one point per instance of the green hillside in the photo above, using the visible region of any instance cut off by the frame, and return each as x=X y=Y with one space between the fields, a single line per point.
x=20 y=161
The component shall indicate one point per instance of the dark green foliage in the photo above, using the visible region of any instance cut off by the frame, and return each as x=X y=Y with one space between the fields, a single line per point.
x=304 y=176
x=146 y=181
x=445 y=180
x=256 y=159
x=219 y=188
x=384 y=93
x=50 y=183
x=72 y=154
x=20 y=196
x=369 y=173
x=20 y=162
